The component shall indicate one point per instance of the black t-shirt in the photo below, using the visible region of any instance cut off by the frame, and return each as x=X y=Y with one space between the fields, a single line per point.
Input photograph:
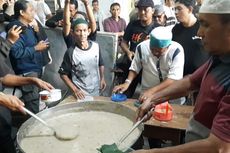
x=135 y=33
x=4 y=66
x=194 y=52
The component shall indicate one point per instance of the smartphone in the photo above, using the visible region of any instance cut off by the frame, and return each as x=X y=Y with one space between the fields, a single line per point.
x=23 y=29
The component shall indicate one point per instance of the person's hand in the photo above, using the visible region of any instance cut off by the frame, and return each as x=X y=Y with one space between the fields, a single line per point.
x=35 y=26
x=144 y=109
x=79 y=94
x=121 y=88
x=86 y=2
x=148 y=94
x=42 y=84
x=102 y=84
x=14 y=34
x=60 y=23
x=10 y=2
x=130 y=55
x=41 y=46
x=12 y=102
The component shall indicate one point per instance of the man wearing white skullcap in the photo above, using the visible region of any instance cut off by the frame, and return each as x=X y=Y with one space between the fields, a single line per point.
x=161 y=61
x=209 y=128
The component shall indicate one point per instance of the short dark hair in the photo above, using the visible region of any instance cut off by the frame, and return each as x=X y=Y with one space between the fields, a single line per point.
x=94 y=1
x=224 y=18
x=187 y=3
x=114 y=4
x=19 y=6
x=75 y=3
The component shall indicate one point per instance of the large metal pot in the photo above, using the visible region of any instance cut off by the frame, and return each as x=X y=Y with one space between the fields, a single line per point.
x=78 y=107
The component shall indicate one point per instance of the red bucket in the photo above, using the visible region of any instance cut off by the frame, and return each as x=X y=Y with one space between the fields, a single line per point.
x=163 y=112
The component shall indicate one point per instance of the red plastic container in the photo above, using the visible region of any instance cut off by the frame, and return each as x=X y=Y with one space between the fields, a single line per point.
x=163 y=112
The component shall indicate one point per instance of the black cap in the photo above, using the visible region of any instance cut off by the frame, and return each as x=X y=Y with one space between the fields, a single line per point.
x=145 y=3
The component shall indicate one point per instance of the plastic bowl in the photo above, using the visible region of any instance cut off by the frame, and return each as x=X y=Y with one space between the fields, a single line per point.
x=163 y=112
x=118 y=97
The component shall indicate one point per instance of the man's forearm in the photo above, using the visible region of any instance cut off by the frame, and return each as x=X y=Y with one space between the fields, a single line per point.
x=69 y=83
x=92 y=21
x=14 y=80
x=175 y=90
x=166 y=83
x=125 y=47
x=101 y=71
x=209 y=145
x=132 y=75
x=66 y=19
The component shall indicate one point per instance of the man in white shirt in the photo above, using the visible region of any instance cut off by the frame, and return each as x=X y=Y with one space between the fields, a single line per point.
x=161 y=61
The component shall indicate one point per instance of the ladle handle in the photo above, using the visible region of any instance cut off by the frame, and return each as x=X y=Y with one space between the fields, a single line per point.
x=134 y=127
x=35 y=116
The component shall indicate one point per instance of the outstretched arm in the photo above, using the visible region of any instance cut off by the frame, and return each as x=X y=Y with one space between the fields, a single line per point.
x=14 y=80
x=66 y=19
x=177 y=89
x=210 y=145
x=89 y=11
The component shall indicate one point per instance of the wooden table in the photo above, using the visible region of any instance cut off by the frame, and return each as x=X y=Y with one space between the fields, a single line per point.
x=172 y=130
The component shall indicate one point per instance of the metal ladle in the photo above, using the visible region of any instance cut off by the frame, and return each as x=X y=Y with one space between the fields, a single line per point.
x=134 y=127
x=58 y=135
x=115 y=146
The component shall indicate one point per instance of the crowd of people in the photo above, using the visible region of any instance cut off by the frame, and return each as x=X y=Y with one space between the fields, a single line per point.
x=177 y=49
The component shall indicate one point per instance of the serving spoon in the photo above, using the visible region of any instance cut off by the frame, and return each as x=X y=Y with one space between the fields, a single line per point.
x=58 y=134
x=114 y=148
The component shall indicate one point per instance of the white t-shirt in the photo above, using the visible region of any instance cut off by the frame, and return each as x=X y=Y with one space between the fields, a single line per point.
x=42 y=10
x=85 y=72
x=171 y=64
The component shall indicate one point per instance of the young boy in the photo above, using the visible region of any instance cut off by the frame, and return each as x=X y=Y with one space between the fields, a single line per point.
x=82 y=68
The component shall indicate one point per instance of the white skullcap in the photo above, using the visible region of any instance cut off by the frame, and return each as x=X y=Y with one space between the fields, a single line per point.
x=160 y=37
x=215 y=7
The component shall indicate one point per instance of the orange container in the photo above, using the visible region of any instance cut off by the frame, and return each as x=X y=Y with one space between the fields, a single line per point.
x=163 y=112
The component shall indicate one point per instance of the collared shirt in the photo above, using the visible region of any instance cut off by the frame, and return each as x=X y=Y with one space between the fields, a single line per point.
x=171 y=64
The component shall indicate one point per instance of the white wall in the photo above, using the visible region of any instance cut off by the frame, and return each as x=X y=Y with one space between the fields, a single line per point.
x=126 y=6
x=105 y=7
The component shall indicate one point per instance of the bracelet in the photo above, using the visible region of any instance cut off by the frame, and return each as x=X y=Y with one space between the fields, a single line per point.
x=128 y=81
